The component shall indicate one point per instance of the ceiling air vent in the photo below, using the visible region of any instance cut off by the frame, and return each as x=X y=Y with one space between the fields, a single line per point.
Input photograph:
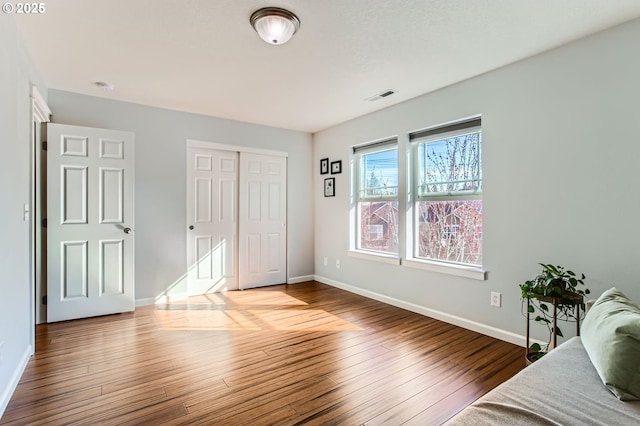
x=382 y=95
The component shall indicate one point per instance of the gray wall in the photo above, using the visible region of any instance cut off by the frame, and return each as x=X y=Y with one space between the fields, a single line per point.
x=561 y=153
x=17 y=72
x=160 y=188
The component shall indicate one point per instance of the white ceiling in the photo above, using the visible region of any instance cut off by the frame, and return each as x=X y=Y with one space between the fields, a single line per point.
x=202 y=56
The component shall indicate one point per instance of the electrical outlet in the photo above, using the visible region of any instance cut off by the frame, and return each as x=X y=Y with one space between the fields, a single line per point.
x=496 y=299
x=338 y=263
x=326 y=261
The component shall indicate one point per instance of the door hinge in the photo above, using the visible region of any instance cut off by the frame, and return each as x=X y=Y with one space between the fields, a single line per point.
x=44 y=300
x=44 y=222
x=44 y=145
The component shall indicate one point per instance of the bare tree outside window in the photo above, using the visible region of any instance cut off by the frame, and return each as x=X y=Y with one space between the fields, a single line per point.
x=436 y=239
x=444 y=173
x=449 y=212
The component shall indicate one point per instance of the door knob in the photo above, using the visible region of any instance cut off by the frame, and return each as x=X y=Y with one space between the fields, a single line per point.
x=128 y=230
x=191 y=227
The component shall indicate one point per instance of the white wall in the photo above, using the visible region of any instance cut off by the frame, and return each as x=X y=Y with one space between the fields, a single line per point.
x=160 y=189
x=561 y=175
x=17 y=72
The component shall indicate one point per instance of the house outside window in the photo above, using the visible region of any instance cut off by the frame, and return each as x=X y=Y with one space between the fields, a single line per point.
x=374 y=233
x=377 y=197
x=448 y=186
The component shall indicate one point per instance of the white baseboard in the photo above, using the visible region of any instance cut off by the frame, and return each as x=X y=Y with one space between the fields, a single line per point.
x=161 y=299
x=5 y=397
x=145 y=302
x=487 y=330
x=300 y=279
x=182 y=296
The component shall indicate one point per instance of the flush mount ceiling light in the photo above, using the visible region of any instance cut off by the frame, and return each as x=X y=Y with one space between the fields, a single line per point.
x=274 y=25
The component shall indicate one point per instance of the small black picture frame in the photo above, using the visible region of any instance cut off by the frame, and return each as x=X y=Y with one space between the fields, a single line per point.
x=336 y=167
x=324 y=166
x=330 y=187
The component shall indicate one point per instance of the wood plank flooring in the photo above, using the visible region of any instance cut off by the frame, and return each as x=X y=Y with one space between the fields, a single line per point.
x=300 y=354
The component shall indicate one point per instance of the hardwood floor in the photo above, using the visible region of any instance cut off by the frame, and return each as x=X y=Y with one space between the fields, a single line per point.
x=301 y=354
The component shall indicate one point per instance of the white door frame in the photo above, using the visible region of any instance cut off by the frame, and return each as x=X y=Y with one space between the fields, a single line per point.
x=194 y=143
x=40 y=113
x=235 y=148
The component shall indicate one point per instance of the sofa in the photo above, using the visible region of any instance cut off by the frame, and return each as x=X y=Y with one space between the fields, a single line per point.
x=593 y=379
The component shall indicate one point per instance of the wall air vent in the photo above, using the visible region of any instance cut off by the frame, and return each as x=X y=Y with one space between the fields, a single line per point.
x=382 y=95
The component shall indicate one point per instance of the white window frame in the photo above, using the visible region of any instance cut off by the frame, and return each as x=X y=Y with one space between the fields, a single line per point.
x=408 y=181
x=358 y=197
x=472 y=125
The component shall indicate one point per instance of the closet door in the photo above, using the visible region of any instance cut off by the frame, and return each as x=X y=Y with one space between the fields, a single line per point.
x=212 y=213
x=262 y=220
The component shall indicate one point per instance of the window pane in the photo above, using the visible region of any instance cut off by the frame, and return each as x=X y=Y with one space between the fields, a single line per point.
x=450 y=165
x=450 y=231
x=378 y=226
x=379 y=174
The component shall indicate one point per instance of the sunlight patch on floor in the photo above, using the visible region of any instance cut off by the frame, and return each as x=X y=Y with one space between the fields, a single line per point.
x=205 y=320
x=303 y=320
x=247 y=310
x=261 y=298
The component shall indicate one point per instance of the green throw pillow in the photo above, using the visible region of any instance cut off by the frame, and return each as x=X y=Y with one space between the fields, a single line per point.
x=611 y=335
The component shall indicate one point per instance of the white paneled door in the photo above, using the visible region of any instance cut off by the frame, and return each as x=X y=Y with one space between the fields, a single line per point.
x=262 y=220
x=90 y=222
x=212 y=213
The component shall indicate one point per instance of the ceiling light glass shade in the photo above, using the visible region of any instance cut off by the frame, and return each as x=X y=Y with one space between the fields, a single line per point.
x=274 y=25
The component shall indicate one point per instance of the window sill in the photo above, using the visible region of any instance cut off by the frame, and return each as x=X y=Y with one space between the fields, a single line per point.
x=475 y=273
x=376 y=257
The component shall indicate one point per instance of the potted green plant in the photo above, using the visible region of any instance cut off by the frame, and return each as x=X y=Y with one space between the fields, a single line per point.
x=560 y=288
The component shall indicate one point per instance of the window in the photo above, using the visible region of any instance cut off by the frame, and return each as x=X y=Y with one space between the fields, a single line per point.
x=377 y=197
x=448 y=186
x=437 y=224
x=374 y=232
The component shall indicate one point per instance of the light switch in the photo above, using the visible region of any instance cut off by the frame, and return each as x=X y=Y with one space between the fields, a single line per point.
x=26 y=212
